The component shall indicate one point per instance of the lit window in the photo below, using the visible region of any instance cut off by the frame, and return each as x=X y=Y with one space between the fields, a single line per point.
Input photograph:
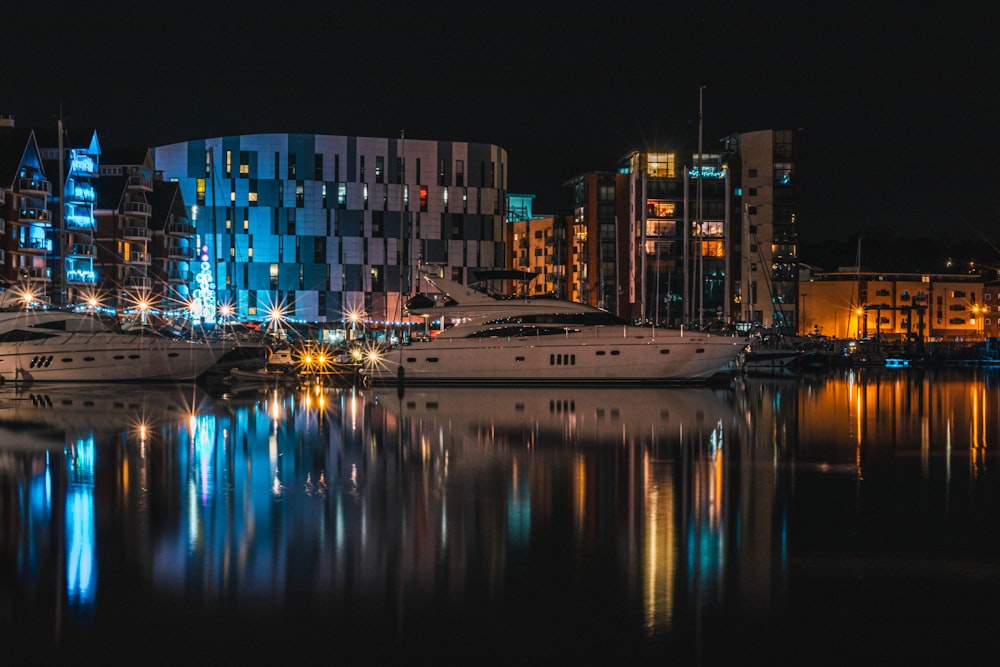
x=661 y=165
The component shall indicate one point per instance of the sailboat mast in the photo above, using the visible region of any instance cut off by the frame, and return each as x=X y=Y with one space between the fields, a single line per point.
x=403 y=260
x=60 y=281
x=701 y=222
x=748 y=266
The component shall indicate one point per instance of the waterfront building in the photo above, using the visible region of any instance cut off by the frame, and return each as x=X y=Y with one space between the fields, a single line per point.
x=144 y=236
x=319 y=226
x=538 y=245
x=677 y=222
x=895 y=307
x=25 y=221
x=72 y=158
x=764 y=181
x=601 y=244
x=991 y=309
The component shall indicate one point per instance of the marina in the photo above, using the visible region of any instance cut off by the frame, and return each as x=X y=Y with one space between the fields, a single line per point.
x=498 y=340
x=528 y=525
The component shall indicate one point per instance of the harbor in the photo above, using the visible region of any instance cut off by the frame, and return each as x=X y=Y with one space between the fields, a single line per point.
x=524 y=525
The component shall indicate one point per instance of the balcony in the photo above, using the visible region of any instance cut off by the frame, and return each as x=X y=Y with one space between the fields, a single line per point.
x=83 y=250
x=140 y=182
x=179 y=276
x=79 y=276
x=33 y=273
x=33 y=186
x=137 y=208
x=180 y=252
x=138 y=283
x=34 y=215
x=137 y=233
x=138 y=258
x=180 y=229
x=33 y=247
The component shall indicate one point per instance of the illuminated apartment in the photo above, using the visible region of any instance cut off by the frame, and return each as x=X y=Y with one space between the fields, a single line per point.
x=25 y=220
x=311 y=223
x=677 y=235
x=538 y=246
x=764 y=179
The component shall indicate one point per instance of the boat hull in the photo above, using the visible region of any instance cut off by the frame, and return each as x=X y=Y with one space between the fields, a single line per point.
x=106 y=358
x=635 y=358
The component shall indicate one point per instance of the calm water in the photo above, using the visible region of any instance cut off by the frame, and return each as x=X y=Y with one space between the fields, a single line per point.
x=811 y=519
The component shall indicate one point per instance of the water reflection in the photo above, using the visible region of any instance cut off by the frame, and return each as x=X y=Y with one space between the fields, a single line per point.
x=658 y=520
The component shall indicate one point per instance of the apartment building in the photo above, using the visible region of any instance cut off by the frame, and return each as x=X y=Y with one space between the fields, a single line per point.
x=25 y=220
x=538 y=246
x=929 y=307
x=320 y=225
x=764 y=177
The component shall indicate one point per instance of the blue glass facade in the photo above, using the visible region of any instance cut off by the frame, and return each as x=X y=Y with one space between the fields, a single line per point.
x=311 y=223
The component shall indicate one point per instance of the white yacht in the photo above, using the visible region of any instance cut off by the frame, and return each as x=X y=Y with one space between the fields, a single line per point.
x=41 y=345
x=545 y=341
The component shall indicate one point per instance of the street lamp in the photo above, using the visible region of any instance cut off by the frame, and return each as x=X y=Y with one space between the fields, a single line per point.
x=978 y=313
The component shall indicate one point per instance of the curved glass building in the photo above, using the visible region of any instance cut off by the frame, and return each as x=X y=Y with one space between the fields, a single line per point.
x=312 y=224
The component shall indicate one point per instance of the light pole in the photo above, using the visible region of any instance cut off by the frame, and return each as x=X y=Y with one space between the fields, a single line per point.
x=977 y=320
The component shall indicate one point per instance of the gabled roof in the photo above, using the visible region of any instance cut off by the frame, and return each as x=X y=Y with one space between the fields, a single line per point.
x=110 y=192
x=14 y=143
x=164 y=197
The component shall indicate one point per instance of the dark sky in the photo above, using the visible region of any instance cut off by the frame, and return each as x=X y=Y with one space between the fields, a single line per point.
x=897 y=104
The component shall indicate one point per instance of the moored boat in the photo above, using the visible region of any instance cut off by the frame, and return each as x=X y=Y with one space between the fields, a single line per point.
x=52 y=345
x=544 y=341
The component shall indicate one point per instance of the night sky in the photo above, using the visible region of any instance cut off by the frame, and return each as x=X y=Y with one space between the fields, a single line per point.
x=897 y=104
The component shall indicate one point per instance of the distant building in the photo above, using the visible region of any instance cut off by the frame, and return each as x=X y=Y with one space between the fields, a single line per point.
x=928 y=307
x=652 y=237
x=311 y=223
x=991 y=309
x=599 y=244
x=537 y=245
x=25 y=220
x=764 y=177
x=676 y=236
x=71 y=158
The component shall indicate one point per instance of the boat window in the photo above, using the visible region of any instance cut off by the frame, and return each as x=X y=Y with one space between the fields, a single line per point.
x=601 y=353
x=615 y=353
x=19 y=335
x=664 y=351
x=520 y=331
x=431 y=360
x=133 y=356
x=518 y=358
x=55 y=325
x=576 y=319
x=89 y=359
x=119 y=356
x=174 y=354
x=700 y=350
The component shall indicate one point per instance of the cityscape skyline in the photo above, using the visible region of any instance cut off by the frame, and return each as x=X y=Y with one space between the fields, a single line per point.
x=883 y=93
